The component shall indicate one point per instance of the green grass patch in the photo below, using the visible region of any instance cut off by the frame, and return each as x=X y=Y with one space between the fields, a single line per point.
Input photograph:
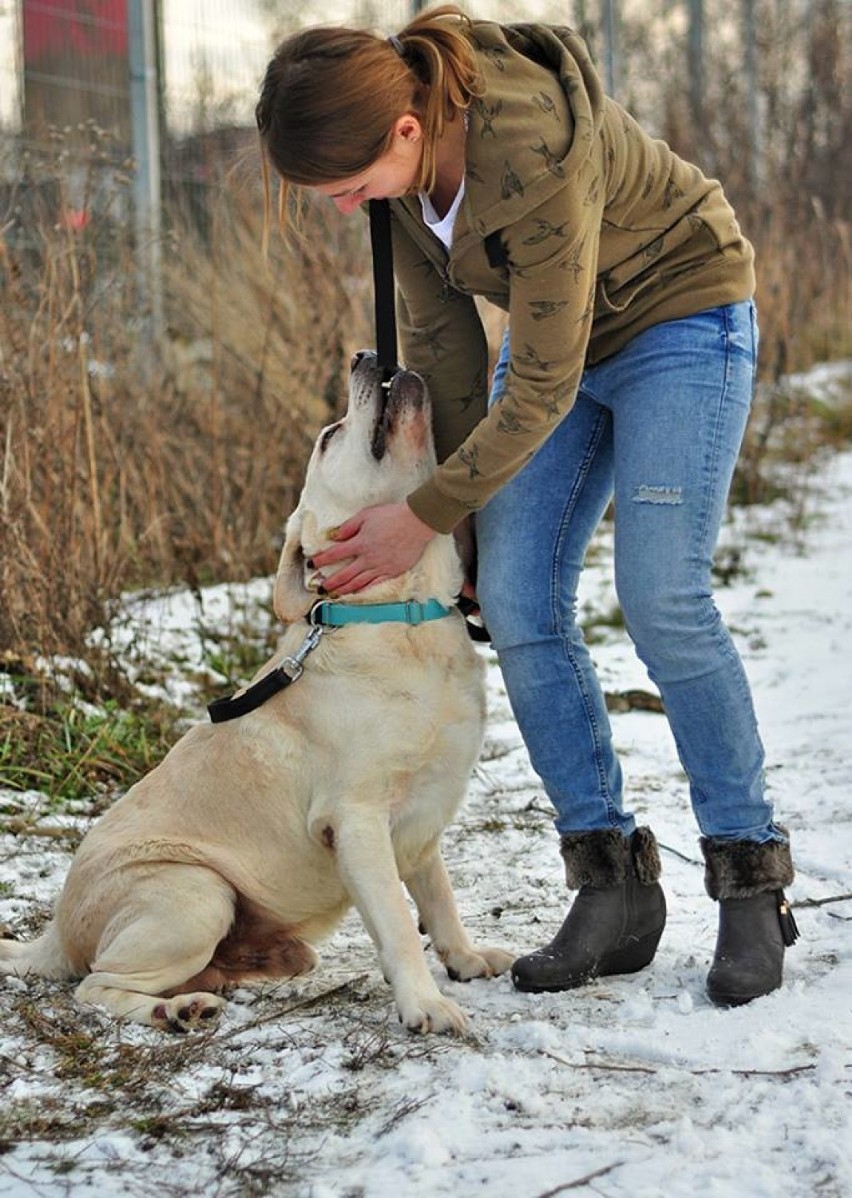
x=81 y=735
x=70 y=753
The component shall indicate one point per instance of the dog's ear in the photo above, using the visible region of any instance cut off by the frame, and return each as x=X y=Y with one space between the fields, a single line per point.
x=291 y=599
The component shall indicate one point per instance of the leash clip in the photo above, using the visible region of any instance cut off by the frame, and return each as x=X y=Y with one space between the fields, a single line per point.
x=291 y=667
x=310 y=642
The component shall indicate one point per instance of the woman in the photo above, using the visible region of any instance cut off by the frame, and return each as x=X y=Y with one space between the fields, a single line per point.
x=627 y=371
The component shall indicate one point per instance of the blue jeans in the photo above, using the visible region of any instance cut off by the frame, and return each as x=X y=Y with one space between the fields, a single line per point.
x=659 y=426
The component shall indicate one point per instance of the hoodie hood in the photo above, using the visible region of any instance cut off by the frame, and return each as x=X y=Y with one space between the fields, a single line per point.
x=543 y=102
x=551 y=140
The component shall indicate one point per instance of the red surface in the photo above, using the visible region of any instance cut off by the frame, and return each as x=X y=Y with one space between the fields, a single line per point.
x=88 y=28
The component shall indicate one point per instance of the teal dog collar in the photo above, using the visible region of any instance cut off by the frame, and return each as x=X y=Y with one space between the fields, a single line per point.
x=335 y=615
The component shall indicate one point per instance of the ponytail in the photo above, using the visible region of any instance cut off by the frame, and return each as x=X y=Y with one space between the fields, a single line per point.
x=436 y=44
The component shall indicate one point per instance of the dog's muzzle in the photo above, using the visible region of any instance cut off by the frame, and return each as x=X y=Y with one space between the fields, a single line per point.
x=401 y=393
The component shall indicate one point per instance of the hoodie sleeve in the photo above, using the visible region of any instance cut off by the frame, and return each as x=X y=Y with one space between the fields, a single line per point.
x=552 y=255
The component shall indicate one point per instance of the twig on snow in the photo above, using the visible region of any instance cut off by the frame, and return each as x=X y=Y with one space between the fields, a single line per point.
x=605 y=1065
x=667 y=848
x=823 y=902
x=791 y=1072
x=302 y=1004
x=581 y=1181
x=612 y=1067
x=402 y=1111
x=22 y=827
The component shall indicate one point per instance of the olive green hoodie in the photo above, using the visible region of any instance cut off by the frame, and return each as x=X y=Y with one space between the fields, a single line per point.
x=574 y=221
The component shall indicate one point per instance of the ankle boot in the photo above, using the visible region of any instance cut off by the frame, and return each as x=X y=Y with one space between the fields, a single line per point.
x=755 y=921
x=616 y=920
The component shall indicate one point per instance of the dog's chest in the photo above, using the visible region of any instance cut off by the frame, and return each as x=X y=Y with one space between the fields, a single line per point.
x=416 y=728
x=404 y=693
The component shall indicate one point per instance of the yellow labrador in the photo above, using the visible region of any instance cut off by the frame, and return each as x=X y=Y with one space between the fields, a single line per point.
x=251 y=839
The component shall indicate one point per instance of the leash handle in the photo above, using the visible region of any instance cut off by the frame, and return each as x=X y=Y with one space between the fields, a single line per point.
x=383 y=288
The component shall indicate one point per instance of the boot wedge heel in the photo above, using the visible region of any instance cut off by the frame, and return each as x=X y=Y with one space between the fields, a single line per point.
x=632 y=957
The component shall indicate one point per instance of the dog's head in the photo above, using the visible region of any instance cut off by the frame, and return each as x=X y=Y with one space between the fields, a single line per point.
x=379 y=452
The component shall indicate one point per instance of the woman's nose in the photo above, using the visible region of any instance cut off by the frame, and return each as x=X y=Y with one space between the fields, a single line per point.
x=346 y=204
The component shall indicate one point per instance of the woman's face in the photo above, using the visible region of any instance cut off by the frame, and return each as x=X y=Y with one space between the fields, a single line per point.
x=389 y=177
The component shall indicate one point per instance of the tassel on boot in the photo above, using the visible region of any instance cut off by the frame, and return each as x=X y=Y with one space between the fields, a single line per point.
x=755 y=920
x=616 y=920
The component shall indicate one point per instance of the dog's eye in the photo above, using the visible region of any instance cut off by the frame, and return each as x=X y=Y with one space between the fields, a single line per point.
x=327 y=435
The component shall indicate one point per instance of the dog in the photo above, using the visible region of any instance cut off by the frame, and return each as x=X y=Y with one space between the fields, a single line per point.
x=247 y=844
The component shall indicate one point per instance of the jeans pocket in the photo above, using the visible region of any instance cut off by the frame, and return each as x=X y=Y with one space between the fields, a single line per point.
x=740 y=329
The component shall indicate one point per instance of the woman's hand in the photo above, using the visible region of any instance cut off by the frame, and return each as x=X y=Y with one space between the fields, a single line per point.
x=381 y=542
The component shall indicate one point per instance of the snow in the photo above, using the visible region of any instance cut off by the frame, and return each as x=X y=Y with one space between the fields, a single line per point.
x=630 y=1086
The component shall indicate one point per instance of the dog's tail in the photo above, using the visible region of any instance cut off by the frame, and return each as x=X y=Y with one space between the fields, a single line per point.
x=43 y=957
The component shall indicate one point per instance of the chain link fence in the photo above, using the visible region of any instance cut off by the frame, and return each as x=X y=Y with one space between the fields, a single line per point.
x=739 y=88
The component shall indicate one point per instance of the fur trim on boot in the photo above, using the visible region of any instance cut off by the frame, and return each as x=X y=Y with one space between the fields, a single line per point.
x=736 y=869
x=603 y=859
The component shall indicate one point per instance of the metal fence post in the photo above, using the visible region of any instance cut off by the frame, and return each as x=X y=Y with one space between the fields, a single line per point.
x=752 y=82
x=612 y=48
x=146 y=151
x=696 y=62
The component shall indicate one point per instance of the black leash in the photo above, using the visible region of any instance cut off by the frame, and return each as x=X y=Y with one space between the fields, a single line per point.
x=231 y=707
x=385 y=309
x=476 y=630
x=383 y=289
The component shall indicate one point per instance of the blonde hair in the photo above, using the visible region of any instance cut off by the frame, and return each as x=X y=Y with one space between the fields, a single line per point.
x=331 y=95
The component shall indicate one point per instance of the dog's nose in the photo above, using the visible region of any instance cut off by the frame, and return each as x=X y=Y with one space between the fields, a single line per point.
x=359 y=356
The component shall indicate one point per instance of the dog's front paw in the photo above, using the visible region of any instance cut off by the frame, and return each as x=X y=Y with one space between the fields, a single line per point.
x=479 y=962
x=187 y=1012
x=436 y=1014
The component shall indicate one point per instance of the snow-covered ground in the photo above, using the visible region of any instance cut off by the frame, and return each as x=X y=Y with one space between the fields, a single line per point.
x=634 y=1086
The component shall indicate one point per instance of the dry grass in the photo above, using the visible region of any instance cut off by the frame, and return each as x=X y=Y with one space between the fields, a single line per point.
x=804 y=296
x=127 y=462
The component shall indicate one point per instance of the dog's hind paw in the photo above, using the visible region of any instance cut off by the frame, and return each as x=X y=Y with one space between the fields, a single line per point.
x=478 y=963
x=187 y=1012
x=437 y=1014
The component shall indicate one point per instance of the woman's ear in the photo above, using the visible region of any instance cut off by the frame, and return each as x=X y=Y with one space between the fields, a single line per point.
x=291 y=599
x=408 y=127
